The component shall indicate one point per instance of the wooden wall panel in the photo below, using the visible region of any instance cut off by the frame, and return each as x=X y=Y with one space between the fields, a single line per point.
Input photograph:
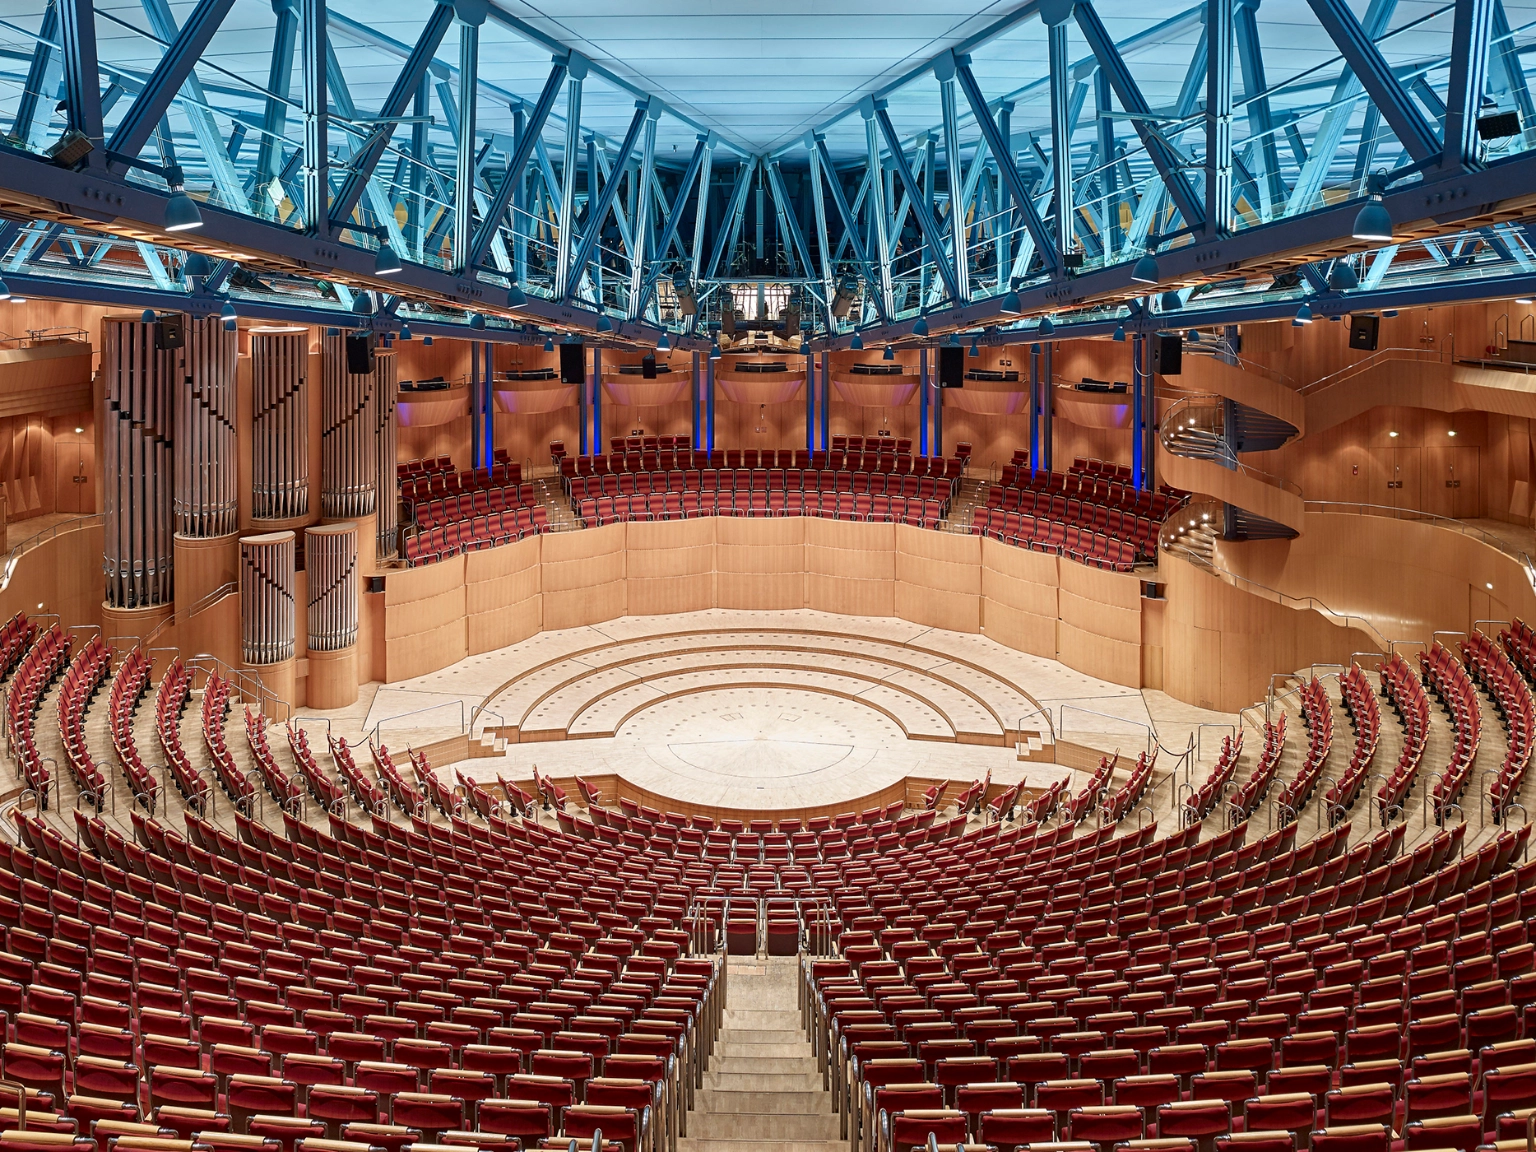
x=503 y=595
x=938 y=578
x=850 y=567
x=584 y=576
x=424 y=619
x=760 y=564
x=1088 y=651
x=1019 y=594
x=671 y=566
x=61 y=575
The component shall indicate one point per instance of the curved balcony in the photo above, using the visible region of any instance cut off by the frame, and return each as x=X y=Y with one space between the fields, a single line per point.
x=1201 y=437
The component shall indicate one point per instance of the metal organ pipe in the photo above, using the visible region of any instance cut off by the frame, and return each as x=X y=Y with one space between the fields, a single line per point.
x=348 y=436
x=386 y=393
x=330 y=557
x=280 y=448
x=266 y=598
x=138 y=460
x=204 y=501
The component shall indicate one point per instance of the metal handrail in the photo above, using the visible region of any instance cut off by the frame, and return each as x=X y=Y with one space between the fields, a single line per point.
x=1380 y=356
x=1221 y=452
x=463 y=728
x=229 y=588
x=1152 y=741
x=73 y=524
x=1482 y=535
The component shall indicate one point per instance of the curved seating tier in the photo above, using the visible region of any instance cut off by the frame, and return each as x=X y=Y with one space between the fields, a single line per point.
x=170 y=701
x=82 y=681
x=129 y=685
x=45 y=660
x=1402 y=688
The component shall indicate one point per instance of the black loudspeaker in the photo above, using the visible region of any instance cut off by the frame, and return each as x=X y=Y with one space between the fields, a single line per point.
x=573 y=363
x=359 y=353
x=170 y=333
x=1168 y=354
x=1363 y=332
x=951 y=367
x=648 y=367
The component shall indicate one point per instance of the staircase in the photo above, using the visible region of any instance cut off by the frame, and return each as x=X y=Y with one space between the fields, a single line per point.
x=762 y=1089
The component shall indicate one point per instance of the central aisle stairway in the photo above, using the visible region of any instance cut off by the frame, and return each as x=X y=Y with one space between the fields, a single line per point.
x=762 y=1089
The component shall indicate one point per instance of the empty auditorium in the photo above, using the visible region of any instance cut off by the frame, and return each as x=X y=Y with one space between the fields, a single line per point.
x=664 y=577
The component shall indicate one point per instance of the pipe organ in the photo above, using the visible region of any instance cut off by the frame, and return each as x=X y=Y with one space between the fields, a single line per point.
x=330 y=557
x=280 y=410
x=266 y=598
x=385 y=396
x=204 y=499
x=139 y=386
x=348 y=435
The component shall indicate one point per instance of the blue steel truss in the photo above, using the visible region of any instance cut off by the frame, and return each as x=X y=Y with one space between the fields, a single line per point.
x=514 y=178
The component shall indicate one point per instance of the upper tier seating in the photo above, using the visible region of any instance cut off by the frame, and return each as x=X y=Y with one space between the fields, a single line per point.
x=44 y=661
x=424 y=480
x=129 y=686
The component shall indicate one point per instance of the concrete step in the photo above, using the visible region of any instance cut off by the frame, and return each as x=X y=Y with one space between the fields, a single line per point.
x=764 y=1081
x=762 y=1065
x=689 y=1144
x=764 y=1127
x=784 y=1033
x=764 y=1099
x=751 y=1050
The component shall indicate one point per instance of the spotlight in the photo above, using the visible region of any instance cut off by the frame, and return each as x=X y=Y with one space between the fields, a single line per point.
x=1525 y=300
x=549 y=343
x=1341 y=277
x=663 y=345
x=1010 y=304
x=476 y=322
x=405 y=331
x=385 y=262
x=1193 y=335
x=147 y=316
x=954 y=339
x=181 y=214
x=5 y=293
x=975 y=350
x=227 y=314
x=1145 y=270
x=1119 y=334
x=1389 y=311
x=714 y=351
x=516 y=297
x=1047 y=326
x=362 y=304
x=889 y=353
x=920 y=326
x=426 y=341
x=1171 y=301
x=197 y=265
x=857 y=343
x=1373 y=221
x=1303 y=316
x=603 y=323
x=805 y=346
x=333 y=331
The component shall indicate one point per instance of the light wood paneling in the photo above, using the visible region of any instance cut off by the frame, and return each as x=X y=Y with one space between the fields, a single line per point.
x=1019 y=591
x=850 y=567
x=424 y=618
x=938 y=578
x=671 y=566
x=584 y=576
x=760 y=564
x=332 y=679
x=503 y=594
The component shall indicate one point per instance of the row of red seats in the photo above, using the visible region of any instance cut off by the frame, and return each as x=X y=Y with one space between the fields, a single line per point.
x=703 y=823
x=325 y=791
x=1254 y=789
x=691 y=505
x=938 y=467
x=279 y=783
x=1092 y=467
x=423 y=466
x=1405 y=692
x=1359 y=699
x=1448 y=677
x=488 y=531
x=129 y=685
x=1091 y=796
x=81 y=682
x=1317 y=717
x=618 y=445
x=1203 y=799
x=16 y=636
x=1511 y=695
x=1120 y=802
x=407 y=796
x=1518 y=640
x=1039 y=534
x=170 y=701
x=215 y=710
x=476 y=503
x=45 y=659
x=1126 y=525
x=743 y=480
x=1088 y=489
x=364 y=792
x=416 y=488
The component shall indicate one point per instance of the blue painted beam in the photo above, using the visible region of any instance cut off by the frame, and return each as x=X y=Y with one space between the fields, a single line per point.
x=734 y=213
x=674 y=218
x=37 y=75
x=464 y=135
x=274 y=120
x=315 y=58
x=82 y=75
x=920 y=207
x=598 y=212
x=1163 y=158
x=787 y=213
x=1378 y=79
x=512 y=177
x=1508 y=54
x=1470 y=32
x=850 y=225
x=1261 y=123
x=1045 y=243
x=138 y=123
x=1220 y=27
x=366 y=158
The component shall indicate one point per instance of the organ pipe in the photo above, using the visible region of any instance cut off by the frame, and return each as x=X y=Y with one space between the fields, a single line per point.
x=386 y=393
x=348 y=436
x=266 y=598
x=204 y=500
x=280 y=444
x=330 y=558
x=139 y=467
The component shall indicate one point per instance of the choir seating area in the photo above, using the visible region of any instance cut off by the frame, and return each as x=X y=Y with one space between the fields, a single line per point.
x=447 y=512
